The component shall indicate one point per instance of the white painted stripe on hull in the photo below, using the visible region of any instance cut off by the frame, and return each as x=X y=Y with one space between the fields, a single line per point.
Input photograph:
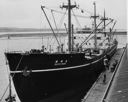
x=57 y=69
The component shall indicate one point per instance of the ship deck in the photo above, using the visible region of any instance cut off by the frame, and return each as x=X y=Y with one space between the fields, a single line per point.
x=115 y=88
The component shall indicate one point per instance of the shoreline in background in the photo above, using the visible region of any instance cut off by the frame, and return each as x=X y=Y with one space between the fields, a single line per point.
x=40 y=34
x=13 y=29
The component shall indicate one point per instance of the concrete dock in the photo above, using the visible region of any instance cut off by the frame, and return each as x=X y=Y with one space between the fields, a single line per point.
x=118 y=91
x=99 y=89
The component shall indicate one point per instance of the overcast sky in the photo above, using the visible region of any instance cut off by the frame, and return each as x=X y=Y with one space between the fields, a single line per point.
x=27 y=13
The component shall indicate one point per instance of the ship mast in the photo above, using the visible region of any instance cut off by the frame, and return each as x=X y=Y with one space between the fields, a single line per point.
x=104 y=19
x=69 y=7
x=95 y=25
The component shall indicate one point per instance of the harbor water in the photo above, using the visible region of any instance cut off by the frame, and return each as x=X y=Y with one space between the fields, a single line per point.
x=27 y=43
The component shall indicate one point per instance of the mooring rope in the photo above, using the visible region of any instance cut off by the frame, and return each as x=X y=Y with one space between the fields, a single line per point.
x=12 y=78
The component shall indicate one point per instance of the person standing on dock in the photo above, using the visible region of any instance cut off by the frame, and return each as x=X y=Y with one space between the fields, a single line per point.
x=106 y=65
x=104 y=78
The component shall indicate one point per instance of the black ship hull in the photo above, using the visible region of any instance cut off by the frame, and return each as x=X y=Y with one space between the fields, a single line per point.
x=37 y=76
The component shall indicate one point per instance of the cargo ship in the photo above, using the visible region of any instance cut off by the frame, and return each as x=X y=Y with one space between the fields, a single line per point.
x=37 y=74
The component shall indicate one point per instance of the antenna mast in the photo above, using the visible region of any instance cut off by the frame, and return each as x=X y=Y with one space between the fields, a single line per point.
x=104 y=19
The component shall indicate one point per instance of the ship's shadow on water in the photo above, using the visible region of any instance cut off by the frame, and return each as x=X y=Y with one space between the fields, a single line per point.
x=75 y=94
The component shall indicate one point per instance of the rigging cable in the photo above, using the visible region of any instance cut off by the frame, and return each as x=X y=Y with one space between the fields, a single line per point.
x=55 y=24
x=104 y=28
x=42 y=7
x=4 y=93
x=12 y=78
x=76 y=19
x=82 y=10
x=61 y=22
x=54 y=20
x=98 y=32
x=89 y=35
x=112 y=30
x=6 y=87
x=114 y=25
x=66 y=13
x=80 y=26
